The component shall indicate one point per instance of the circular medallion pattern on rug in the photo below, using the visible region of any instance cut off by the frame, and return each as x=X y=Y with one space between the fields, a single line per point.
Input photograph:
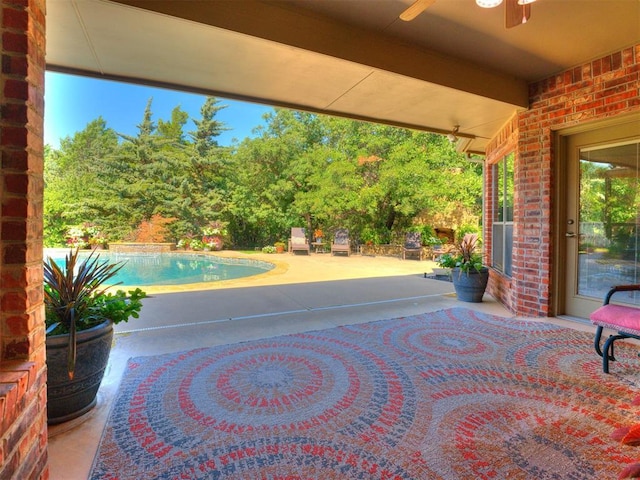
x=449 y=394
x=282 y=387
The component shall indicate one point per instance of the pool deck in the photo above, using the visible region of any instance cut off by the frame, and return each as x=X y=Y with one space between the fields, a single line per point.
x=303 y=293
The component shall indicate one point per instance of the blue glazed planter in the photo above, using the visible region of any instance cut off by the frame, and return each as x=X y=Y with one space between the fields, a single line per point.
x=470 y=286
x=68 y=399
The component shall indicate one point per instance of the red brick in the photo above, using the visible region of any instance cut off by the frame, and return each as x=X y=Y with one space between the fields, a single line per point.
x=620 y=96
x=15 y=230
x=15 y=160
x=14 y=301
x=15 y=255
x=10 y=400
x=16 y=349
x=13 y=136
x=15 y=207
x=14 y=113
x=15 y=42
x=596 y=67
x=616 y=60
x=16 y=184
x=14 y=19
x=13 y=65
x=20 y=379
x=18 y=325
x=13 y=278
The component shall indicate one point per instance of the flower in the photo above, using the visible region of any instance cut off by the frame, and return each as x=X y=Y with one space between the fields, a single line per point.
x=317 y=233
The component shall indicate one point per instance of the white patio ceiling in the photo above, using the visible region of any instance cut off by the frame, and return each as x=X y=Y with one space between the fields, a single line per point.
x=455 y=64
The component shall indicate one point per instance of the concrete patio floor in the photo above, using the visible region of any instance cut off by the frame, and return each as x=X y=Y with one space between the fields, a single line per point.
x=303 y=293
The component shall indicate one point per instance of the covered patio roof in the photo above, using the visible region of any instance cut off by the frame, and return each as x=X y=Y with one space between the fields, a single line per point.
x=455 y=64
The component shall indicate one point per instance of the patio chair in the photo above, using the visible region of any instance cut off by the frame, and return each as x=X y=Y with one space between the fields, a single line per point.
x=341 y=242
x=298 y=241
x=624 y=319
x=412 y=245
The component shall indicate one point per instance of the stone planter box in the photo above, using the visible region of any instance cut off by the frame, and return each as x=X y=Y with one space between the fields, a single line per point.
x=135 y=247
x=382 y=250
x=391 y=251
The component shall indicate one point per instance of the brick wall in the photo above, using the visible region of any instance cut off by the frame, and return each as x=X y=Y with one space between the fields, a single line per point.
x=603 y=88
x=23 y=432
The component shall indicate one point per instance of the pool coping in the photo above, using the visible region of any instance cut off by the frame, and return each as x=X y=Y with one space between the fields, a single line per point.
x=279 y=268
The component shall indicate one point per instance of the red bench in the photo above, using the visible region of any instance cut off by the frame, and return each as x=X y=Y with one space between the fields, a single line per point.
x=623 y=319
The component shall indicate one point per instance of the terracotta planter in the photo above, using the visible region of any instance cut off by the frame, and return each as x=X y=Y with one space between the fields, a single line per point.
x=68 y=399
x=470 y=286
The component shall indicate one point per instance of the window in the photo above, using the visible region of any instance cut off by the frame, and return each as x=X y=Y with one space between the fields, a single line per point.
x=503 y=180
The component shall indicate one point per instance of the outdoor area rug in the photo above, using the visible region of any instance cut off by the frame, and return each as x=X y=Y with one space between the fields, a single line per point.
x=453 y=394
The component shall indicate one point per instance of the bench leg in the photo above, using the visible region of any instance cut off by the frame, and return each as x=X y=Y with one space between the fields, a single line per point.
x=596 y=341
x=608 y=352
x=608 y=349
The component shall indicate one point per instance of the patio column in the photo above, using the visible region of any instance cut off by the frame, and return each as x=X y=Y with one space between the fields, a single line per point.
x=23 y=446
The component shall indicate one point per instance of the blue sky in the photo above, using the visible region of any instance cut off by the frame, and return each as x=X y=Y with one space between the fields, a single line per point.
x=71 y=102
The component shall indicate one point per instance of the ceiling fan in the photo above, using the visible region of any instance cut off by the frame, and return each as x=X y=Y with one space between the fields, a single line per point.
x=517 y=12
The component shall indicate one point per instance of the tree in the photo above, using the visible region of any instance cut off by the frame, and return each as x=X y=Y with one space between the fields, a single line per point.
x=301 y=169
x=72 y=176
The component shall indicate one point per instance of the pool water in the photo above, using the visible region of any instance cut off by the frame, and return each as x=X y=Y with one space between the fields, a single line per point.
x=175 y=269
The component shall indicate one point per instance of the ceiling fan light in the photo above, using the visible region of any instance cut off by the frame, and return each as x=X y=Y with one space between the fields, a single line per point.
x=525 y=2
x=488 y=3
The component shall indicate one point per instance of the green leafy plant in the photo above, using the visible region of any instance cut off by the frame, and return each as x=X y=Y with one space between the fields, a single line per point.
x=448 y=261
x=196 y=244
x=76 y=298
x=467 y=259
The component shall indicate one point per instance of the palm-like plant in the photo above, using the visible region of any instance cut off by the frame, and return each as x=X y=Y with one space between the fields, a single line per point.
x=76 y=298
x=470 y=258
x=467 y=258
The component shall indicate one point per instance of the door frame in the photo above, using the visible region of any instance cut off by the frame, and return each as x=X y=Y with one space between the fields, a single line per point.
x=558 y=221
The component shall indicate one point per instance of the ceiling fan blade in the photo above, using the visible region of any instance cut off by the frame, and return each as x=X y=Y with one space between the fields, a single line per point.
x=515 y=14
x=416 y=9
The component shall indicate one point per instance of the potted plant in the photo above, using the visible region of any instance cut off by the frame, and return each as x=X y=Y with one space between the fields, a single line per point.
x=214 y=235
x=79 y=316
x=279 y=247
x=468 y=273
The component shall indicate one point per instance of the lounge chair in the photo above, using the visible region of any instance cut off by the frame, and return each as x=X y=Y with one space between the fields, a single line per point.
x=412 y=245
x=298 y=241
x=341 y=242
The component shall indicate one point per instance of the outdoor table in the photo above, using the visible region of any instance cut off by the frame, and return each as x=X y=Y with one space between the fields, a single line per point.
x=318 y=247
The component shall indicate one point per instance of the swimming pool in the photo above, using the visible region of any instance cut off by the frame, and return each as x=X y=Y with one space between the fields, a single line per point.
x=142 y=270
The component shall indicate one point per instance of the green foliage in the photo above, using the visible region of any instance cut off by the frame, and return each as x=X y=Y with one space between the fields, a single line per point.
x=427 y=234
x=76 y=297
x=448 y=261
x=465 y=230
x=73 y=193
x=301 y=169
x=119 y=306
x=466 y=259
